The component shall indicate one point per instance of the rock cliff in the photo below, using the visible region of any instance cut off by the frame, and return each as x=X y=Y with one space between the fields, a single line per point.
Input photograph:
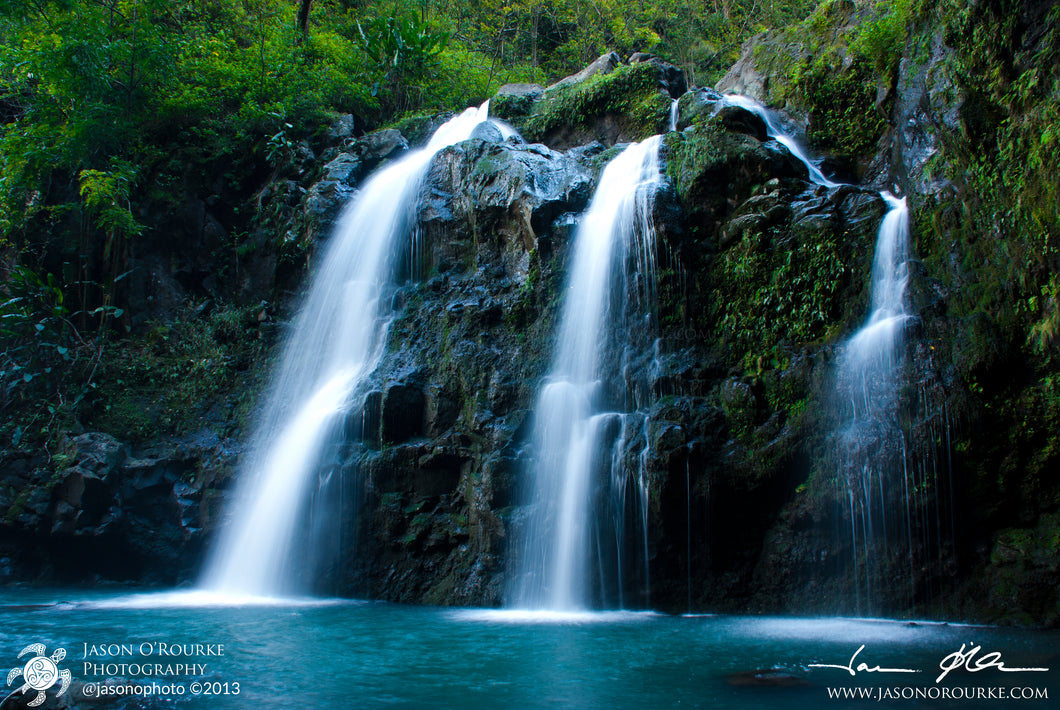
x=762 y=275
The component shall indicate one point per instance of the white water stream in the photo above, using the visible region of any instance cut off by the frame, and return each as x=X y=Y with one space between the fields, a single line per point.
x=335 y=343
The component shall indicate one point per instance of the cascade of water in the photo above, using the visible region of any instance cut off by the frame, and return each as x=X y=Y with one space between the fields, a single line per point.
x=875 y=343
x=336 y=342
x=688 y=535
x=777 y=133
x=873 y=451
x=554 y=569
x=869 y=379
x=642 y=500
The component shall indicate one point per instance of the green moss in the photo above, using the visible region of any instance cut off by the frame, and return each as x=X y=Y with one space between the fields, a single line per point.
x=841 y=103
x=510 y=107
x=416 y=128
x=701 y=162
x=829 y=15
x=831 y=67
x=992 y=243
x=1024 y=569
x=770 y=296
x=18 y=506
x=632 y=93
x=167 y=379
x=599 y=161
x=391 y=500
x=879 y=40
x=524 y=311
x=741 y=410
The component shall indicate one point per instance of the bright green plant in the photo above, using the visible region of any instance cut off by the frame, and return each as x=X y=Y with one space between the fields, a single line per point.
x=403 y=48
x=280 y=148
x=105 y=195
x=41 y=352
x=879 y=40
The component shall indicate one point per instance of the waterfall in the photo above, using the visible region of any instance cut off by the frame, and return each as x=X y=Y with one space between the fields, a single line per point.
x=573 y=435
x=872 y=445
x=877 y=467
x=873 y=346
x=775 y=131
x=336 y=341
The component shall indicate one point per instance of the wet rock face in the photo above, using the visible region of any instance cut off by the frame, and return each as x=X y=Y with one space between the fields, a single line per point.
x=745 y=77
x=713 y=170
x=699 y=104
x=746 y=383
x=403 y=412
x=928 y=108
x=761 y=275
x=324 y=200
x=740 y=120
x=511 y=194
x=472 y=340
x=465 y=354
x=113 y=514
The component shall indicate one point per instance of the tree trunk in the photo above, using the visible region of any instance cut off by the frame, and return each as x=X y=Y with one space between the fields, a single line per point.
x=535 y=21
x=303 y=16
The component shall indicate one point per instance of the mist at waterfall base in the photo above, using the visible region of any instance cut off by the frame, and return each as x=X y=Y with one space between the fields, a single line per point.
x=336 y=342
x=586 y=507
x=375 y=655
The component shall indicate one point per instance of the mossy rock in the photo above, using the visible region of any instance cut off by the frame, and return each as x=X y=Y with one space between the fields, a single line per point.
x=202 y=369
x=842 y=105
x=515 y=101
x=836 y=71
x=418 y=129
x=696 y=106
x=628 y=104
x=1024 y=572
x=711 y=166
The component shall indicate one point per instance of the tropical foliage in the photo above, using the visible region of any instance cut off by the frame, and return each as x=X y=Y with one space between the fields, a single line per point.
x=115 y=113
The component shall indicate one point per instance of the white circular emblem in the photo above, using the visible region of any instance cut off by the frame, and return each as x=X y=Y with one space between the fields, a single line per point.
x=40 y=673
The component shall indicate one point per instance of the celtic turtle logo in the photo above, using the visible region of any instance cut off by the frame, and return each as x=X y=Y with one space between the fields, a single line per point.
x=40 y=672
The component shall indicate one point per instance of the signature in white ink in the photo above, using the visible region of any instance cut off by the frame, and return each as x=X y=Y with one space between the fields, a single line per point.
x=862 y=667
x=964 y=657
x=990 y=660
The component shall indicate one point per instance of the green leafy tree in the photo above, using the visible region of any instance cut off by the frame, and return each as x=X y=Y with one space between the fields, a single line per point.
x=403 y=48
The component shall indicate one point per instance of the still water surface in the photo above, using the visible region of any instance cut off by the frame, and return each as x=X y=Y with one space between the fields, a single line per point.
x=338 y=653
